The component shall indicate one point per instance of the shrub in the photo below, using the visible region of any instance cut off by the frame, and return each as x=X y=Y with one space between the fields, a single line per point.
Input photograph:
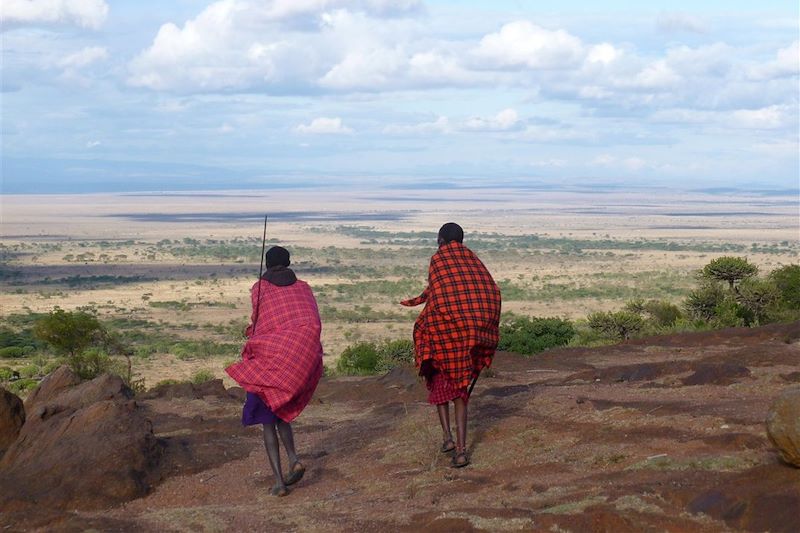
x=659 y=312
x=359 y=359
x=527 y=336
x=730 y=269
x=758 y=297
x=6 y=373
x=787 y=280
x=202 y=376
x=394 y=353
x=12 y=352
x=93 y=362
x=30 y=371
x=22 y=385
x=702 y=302
x=620 y=325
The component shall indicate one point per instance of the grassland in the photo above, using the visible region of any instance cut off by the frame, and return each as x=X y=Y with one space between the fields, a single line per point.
x=176 y=287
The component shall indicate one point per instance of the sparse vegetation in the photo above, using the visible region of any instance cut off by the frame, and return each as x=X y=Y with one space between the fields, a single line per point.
x=529 y=335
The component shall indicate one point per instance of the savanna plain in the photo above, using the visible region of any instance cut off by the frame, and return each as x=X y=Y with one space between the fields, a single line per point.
x=169 y=274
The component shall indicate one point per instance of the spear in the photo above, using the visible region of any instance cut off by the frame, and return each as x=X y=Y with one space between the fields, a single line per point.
x=260 y=273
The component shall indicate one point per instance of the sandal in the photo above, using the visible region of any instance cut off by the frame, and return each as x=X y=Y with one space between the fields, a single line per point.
x=296 y=473
x=279 y=491
x=448 y=446
x=460 y=460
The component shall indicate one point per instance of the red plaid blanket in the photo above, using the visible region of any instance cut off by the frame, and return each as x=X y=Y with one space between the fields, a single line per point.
x=282 y=358
x=459 y=328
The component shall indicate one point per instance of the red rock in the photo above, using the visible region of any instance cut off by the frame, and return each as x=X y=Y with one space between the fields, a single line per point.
x=12 y=417
x=783 y=425
x=55 y=383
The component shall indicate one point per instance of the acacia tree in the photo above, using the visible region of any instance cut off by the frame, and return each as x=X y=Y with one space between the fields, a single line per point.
x=69 y=332
x=758 y=297
x=730 y=269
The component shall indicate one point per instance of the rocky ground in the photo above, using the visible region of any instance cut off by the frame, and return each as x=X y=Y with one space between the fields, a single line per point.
x=658 y=434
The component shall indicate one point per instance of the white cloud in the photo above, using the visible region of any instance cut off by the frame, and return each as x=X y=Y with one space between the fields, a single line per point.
x=522 y=44
x=786 y=63
x=680 y=22
x=84 y=13
x=84 y=57
x=324 y=125
x=505 y=120
x=771 y=117
x=440 y=125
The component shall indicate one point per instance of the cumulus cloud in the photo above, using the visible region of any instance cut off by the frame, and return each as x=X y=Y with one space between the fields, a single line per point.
x=786 y=63
x=83 y=13
x=522 y=44
x=324 y=126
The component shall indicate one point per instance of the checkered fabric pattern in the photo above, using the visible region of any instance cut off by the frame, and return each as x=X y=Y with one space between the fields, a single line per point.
x=459 y=328
x=441 y=390
x=282 y=358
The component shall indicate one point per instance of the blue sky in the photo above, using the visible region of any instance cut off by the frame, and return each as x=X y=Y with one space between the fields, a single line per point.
x=123 y=95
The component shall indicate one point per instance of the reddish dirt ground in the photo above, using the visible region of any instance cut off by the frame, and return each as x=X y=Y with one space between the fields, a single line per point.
x=658 y=434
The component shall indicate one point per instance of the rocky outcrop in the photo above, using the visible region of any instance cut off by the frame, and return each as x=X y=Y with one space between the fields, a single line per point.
x=53 y=384
x=82 y=446
x=783 y=425
x=12 y=417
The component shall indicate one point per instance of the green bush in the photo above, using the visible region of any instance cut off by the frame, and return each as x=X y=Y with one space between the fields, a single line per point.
x=202 y=376
x=93 y=362
x=759 y=297
x=12 y=352
x=22 y=385
x=619 y=325
x=787 y=280
x=30 y=371
x=6 y=373
x=394 y=353
x=359 y=359
x=527 y=336
x=702 y=302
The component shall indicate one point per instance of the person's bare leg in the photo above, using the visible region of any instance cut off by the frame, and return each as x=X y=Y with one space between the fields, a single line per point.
x=461 y=427
x=287 y=438
x=274 y=456
x=443 y=409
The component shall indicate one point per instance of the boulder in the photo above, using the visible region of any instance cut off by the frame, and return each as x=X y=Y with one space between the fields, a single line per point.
x=783 y=425
x=12 y=417
x=53 y=384
x=86 y=446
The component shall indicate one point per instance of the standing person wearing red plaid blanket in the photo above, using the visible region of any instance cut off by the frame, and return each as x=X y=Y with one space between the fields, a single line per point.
x=456 y=335
x=281 y=361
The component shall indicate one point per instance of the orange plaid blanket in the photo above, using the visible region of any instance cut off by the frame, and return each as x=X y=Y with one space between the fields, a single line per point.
x=459 y=328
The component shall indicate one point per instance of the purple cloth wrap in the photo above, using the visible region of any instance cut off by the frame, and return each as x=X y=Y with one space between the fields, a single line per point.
x=255 y=411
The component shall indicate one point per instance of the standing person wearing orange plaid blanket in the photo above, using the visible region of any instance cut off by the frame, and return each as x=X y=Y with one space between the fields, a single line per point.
x=281 y=361
x=456 y=335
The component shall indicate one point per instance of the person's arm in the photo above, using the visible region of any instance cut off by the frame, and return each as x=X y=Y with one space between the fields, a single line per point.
x=248 y=331
x=421 y=299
